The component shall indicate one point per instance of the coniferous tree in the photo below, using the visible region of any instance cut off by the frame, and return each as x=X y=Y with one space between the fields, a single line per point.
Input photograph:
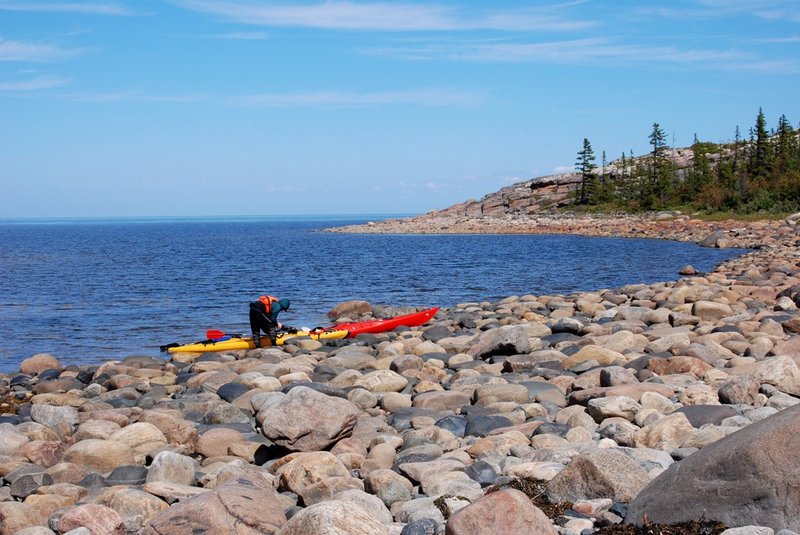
x=760 y=158
x=585 y=166
x=700 y=175
x=657 y=190
x=762 y=174
x=785 y=139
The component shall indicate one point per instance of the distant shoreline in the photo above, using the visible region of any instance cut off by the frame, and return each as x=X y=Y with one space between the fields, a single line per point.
x=723 y=234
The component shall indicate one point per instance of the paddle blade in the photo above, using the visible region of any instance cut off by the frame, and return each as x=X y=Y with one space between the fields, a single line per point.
x=214 y=334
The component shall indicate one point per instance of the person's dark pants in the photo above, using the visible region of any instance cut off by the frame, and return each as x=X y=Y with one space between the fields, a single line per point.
x=260 y=321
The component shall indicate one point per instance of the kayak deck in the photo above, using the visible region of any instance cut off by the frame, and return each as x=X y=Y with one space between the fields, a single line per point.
x=246 y=342
x=334 y=332
x=414 y=319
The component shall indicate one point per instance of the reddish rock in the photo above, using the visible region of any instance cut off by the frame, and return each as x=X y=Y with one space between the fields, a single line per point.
x=215 y=441
x=333 y=518
x=351 y=309
x=99 y=455
x=15 y=516
x=241 y=506
x=634 y=391
x=39 y=363
x=675 y=365
x=789 y=348
x=98 y=519
x=134 y=506
x=178 y=430
x=441 y=400
x=505 y=511
x=43 y=452
x=64 y=472
x=742 y=389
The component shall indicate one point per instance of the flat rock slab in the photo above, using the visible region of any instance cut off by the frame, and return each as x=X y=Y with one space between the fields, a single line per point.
x=172 y=491
x=240 y=506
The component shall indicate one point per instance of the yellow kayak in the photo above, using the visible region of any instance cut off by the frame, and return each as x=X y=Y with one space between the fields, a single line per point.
x=234 y=343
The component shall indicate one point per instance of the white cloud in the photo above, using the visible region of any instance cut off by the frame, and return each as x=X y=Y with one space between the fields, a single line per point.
x=770 y=10
x=425 y=97
x=34 y=84
x=92 y=8
x=21 y=51
x=134 y=96
x=387 y=16
x=432 y=185
x=561 y=169
x=780 y=40
x=242 y=36
x=594 y=50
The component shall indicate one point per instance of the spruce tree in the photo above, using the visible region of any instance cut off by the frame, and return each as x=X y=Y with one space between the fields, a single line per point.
x=585 y=166
x=785 y=139
x=699 y=175
x=760 y=157
x=658 y=184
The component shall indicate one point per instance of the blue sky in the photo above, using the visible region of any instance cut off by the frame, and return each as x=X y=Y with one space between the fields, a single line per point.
x=247 y=107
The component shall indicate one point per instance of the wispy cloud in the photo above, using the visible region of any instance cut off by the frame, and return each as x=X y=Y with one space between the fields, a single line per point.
x=780 y=40
x=242 y=36
x=427 y=97
x=784 y=10
x=35 y=52
x=92 y=8
x=133 y=96
x=387 y=16
x=593 y=50
x=34 y=84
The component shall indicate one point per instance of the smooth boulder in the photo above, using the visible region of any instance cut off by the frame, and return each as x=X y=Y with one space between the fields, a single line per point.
x=746 y=478
x=241 y=506
x=306 y=420
x=504 y=511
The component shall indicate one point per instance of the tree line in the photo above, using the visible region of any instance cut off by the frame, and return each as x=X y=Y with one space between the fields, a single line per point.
x=757 y=174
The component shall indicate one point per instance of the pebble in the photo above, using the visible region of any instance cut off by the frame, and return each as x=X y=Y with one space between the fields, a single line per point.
x=597 y=395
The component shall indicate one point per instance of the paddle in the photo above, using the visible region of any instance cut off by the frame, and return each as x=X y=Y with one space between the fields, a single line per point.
x=214 y=334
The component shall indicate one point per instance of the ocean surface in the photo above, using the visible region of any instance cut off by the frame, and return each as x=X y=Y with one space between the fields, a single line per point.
x=91 y=290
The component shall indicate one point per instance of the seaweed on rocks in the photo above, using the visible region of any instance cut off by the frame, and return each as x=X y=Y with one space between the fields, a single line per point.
x=10 y=402
x=441 y=504
x=695 y=527
x=536 y=491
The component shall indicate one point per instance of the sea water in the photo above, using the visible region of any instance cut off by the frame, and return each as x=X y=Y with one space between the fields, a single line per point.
x=91 y=290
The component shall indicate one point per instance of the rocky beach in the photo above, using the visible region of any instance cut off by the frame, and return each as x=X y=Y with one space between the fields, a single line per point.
x=618 y=410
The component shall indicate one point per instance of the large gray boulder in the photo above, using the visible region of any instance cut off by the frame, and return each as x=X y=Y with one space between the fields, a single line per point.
x=506 y=340
x=747 y=478
x=306 y=420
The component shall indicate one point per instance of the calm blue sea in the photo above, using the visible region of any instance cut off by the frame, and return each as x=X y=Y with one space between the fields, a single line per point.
x=89 y=290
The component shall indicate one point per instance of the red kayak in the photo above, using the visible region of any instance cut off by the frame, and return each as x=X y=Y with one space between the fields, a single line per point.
x=382 y=325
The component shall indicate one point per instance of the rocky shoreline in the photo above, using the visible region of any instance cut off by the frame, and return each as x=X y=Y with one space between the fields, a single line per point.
x=666 y=403
x=663 y=225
